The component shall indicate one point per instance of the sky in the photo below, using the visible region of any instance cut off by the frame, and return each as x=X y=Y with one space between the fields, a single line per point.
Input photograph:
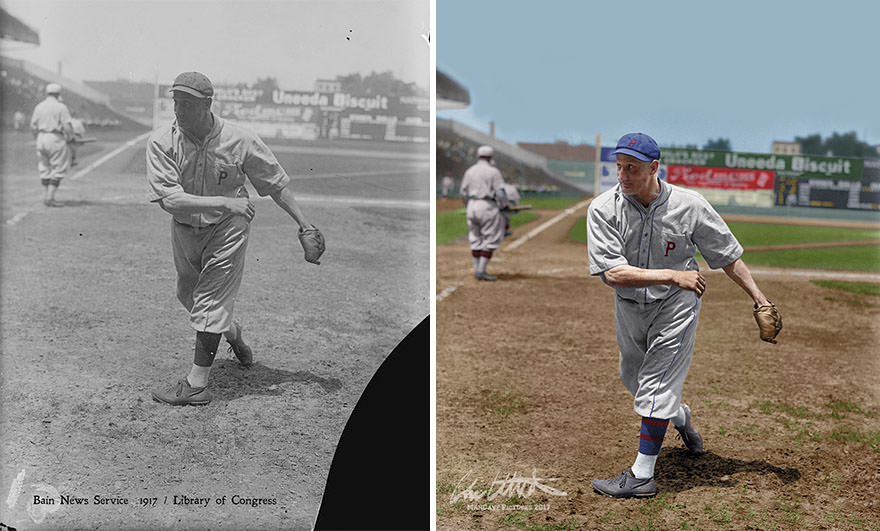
x=683 y=71
x=294 y=41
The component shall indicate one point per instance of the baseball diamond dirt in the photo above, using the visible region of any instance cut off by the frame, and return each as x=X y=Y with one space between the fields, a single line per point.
x=90 y=325
x=530 y=407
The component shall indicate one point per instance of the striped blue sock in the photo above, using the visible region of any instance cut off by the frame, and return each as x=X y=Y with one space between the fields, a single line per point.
x=651 y=435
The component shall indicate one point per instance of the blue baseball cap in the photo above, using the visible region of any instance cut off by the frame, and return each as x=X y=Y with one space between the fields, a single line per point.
x=638 y=145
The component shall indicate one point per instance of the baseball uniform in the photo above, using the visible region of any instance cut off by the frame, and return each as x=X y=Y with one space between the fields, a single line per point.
x=51 y=122
x=484 y=220
x=656 y=325
x=209 y=247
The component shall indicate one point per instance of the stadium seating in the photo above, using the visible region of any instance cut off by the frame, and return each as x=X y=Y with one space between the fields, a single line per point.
x=22 y=90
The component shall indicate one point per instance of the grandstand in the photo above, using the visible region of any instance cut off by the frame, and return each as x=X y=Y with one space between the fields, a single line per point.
x=457 y=150
x=23 y=85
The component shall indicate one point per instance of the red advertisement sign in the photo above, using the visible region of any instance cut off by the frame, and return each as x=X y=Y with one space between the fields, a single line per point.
x=725 y=178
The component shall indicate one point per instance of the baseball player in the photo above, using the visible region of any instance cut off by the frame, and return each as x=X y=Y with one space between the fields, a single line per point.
x=512 y=195
x=196 y=171
x=479 y=188
x=50 y=124
x=642 y=236
x=447 y=184
x=78 y=130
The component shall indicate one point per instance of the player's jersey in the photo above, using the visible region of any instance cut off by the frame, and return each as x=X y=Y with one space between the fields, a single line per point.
x=665 y=235
x=50 y=116
x=217 y=167
x=481 y=180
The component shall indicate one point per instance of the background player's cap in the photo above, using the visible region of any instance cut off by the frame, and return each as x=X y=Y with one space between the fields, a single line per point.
x=194 y=83
x=638 y=145
x=485 y=151
x=53 y=88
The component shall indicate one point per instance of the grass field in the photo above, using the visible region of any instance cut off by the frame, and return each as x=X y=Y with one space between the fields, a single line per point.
x=452 y=225
x=865 y=258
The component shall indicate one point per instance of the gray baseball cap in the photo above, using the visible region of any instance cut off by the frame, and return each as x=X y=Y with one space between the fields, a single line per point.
x=194 y=83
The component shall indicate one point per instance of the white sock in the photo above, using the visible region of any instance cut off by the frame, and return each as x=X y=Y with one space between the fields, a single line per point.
x=643 y=468
x=476 y=264
x=484 y=263
x=679 y=419
x=198 y=376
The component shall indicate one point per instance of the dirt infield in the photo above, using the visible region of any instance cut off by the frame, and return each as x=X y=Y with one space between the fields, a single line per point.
x=527 y=385
x=90 y=325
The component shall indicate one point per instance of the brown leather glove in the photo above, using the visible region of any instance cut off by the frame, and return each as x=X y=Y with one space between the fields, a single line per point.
x=769 y=321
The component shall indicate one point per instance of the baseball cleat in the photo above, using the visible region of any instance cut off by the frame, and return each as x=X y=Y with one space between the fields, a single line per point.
x=182 y=394
x=689 y=435
x=241 y=350
x=484 y=276
x=625 y=486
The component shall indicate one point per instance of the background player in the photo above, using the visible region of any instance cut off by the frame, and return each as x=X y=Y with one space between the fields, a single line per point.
x=642 y=236
x=196 y=170
x=50 y=124
x=447 y=184
x=484 y=219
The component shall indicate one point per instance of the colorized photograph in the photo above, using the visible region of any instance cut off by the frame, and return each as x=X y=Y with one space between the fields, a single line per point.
x=657 y=266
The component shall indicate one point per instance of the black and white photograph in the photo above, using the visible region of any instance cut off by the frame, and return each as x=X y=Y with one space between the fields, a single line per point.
x=214 y=294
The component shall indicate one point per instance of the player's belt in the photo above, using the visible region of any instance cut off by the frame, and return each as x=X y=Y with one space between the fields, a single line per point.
x=53 y=132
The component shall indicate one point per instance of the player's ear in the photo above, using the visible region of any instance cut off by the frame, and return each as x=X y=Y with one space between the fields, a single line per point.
x=655 y=167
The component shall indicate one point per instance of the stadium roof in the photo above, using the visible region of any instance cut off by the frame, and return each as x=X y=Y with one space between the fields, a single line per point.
x=15 y=30
x=450 y=94
x=561 y=150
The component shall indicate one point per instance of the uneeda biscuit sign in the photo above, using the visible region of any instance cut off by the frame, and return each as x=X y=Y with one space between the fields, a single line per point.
x=807 y=166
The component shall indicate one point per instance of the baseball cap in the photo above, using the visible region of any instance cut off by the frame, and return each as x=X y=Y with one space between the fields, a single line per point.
x=194 y=83
x=485 y=151
x=53 y=88
x=638 y=145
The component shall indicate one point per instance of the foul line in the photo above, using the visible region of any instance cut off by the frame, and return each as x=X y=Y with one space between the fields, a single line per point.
x=448 y=291
x=546 y=225
x=109 y=156
x=21 y=215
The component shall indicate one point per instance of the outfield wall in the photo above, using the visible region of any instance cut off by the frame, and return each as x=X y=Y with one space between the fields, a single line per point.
x=313 y=115
x=766 y=180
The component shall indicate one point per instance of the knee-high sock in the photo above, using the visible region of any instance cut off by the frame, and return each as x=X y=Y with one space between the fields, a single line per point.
x=651 y=437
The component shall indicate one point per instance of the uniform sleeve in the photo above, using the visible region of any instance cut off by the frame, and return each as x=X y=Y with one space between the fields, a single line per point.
x=713 y=238
x=64 y=115
x=263 y=169
x=604 y=242
x=497 y=181
x=163 y=175
x=464 y=185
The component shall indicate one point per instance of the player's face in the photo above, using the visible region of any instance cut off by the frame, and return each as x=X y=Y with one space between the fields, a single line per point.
x=635 y=176
x=190 y=110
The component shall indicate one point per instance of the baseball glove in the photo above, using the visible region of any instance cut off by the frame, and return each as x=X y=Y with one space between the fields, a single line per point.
x=312 y=243
x=769 y=321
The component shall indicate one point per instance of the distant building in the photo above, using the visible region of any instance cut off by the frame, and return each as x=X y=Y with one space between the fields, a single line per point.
x=328 y=85
x=576 y=163
x=785 y=148
x=562 y=151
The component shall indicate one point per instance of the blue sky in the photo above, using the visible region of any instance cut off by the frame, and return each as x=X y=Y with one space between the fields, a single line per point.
x=681 y=71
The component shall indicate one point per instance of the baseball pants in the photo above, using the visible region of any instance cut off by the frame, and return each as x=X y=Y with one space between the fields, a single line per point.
x=210 y=265
x=53 y=156
x=485 y=225
x=656 y=346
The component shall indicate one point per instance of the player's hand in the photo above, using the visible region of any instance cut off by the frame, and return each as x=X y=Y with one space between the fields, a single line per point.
x=690 y=280
x=241 y=206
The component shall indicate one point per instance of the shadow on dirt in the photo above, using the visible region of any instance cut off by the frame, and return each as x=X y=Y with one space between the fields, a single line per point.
x=682 y=472
x=229 y=380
